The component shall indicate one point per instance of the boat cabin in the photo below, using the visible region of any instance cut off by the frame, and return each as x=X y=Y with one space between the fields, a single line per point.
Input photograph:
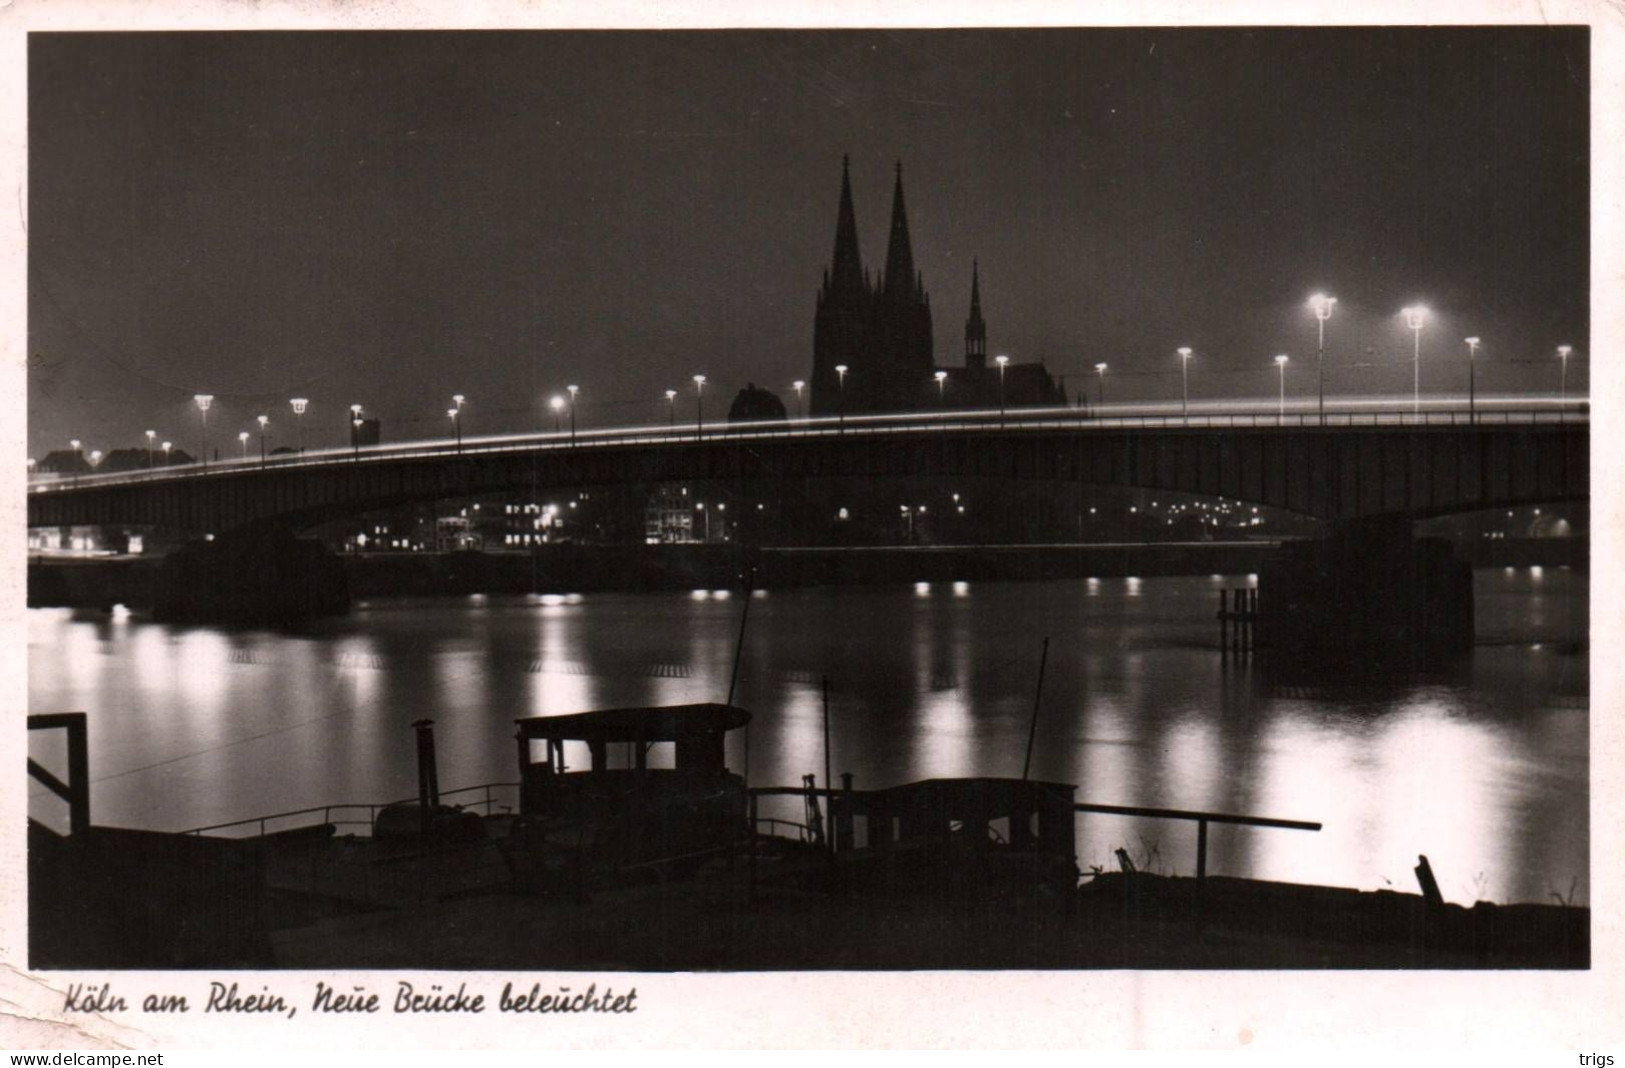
x=655 y=785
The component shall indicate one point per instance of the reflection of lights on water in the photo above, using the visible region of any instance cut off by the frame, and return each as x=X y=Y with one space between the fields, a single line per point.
x=961 y=589
x=922 y=589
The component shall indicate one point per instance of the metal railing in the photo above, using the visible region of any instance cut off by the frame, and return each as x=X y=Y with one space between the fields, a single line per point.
x=821 y=427
x=347 y=814
x=1201 y=819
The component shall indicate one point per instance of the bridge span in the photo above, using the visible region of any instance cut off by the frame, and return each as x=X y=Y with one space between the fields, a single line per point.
x=1354 y=466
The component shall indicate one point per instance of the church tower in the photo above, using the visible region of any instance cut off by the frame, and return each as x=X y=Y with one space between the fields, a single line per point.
x=841 y=323
x=975 y=328
x=878 y=328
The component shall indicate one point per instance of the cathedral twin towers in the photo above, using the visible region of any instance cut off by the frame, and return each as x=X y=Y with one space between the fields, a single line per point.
x=879 y=331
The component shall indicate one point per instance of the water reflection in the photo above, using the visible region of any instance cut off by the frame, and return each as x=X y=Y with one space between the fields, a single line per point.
x=1481 y=765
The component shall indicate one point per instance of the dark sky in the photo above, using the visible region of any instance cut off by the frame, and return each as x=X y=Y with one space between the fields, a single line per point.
x=392 y=218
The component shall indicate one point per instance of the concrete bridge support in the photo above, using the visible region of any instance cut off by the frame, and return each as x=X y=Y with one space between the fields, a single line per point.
x=1371 y=592
x=257 y=577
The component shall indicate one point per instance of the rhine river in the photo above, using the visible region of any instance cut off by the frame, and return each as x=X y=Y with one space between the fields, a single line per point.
x=1481 y=764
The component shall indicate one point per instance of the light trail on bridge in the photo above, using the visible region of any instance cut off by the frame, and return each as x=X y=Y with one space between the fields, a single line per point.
x=1252 y=413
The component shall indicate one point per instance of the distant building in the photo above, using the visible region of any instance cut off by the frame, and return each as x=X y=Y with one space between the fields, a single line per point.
x=668 y=518
x=753 y=404
x=872 y=338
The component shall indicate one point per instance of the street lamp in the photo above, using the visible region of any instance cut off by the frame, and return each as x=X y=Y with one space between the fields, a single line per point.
x=840 y=375
x=203 y=401
x=1322 y=306
x=1472 y=390
x=1280 y=362
x=1100 y=369
x=798 y=385
x=167 y=446
x=572 y=390
x=700 y=507
x=299 y=404
x=1415 y=317
x=942 y=385
x=699 y=407
x=355 y=436
x=671 y=404
x=242 y=440
x=1185 y=379
x=1003 y=362
x=1563 y=382
x=151 y=434
x=456 y=427
x=95 y=457
x=556 y=403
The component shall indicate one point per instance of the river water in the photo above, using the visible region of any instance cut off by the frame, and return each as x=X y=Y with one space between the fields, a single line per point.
x=1481 y=765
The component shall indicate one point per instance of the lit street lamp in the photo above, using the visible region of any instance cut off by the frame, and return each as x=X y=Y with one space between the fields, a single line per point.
x=801 y=410
x=556 y=403
x=203 y=401
x=840 y=374
x=167 y=446
x=700 y=507
x=1472 y=385
x=151 y=434
x=299 y=404
x=1100 y=369
x=1185 y=379
x=242 y=440
x=355 y=428
x=1563 y=382
x=671 y=403
x=1322 y=306
x=95 y=457
x=1415 y=317
x=942 y=386
x=699 y=407
x=572 y=390
x=1280 y=362
x=264 y=421
x=1003 y=362
x=456 y=427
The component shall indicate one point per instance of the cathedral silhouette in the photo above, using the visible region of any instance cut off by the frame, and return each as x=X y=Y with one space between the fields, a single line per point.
x=879 y=331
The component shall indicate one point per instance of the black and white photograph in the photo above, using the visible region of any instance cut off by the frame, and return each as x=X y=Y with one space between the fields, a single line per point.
x=603 y=503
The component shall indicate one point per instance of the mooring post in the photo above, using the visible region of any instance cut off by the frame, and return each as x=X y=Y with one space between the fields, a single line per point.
x=428 y=787
x=78 y=774
x=1201 y=849
x=1430 y=885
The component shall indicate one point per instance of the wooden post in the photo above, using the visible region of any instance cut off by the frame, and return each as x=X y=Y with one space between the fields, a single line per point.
x=1201 y=849
x=828 y=779
x=1430 y=885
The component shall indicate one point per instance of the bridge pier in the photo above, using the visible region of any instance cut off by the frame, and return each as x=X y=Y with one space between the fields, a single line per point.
x=260 y=577
x=1370 y=591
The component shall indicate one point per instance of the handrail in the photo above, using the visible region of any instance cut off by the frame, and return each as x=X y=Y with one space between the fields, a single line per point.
x=372 y=809
x=1072 y=419
x=1201 y=819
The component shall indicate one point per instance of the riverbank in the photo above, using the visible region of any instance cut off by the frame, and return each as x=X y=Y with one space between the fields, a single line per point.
x=101 y=582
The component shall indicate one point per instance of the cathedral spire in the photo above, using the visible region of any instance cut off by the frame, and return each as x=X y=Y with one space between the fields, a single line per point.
x=846 y=269
x=899 y=279
x=975 y=328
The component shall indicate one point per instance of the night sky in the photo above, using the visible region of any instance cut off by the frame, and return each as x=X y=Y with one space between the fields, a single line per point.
x=391 y=218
